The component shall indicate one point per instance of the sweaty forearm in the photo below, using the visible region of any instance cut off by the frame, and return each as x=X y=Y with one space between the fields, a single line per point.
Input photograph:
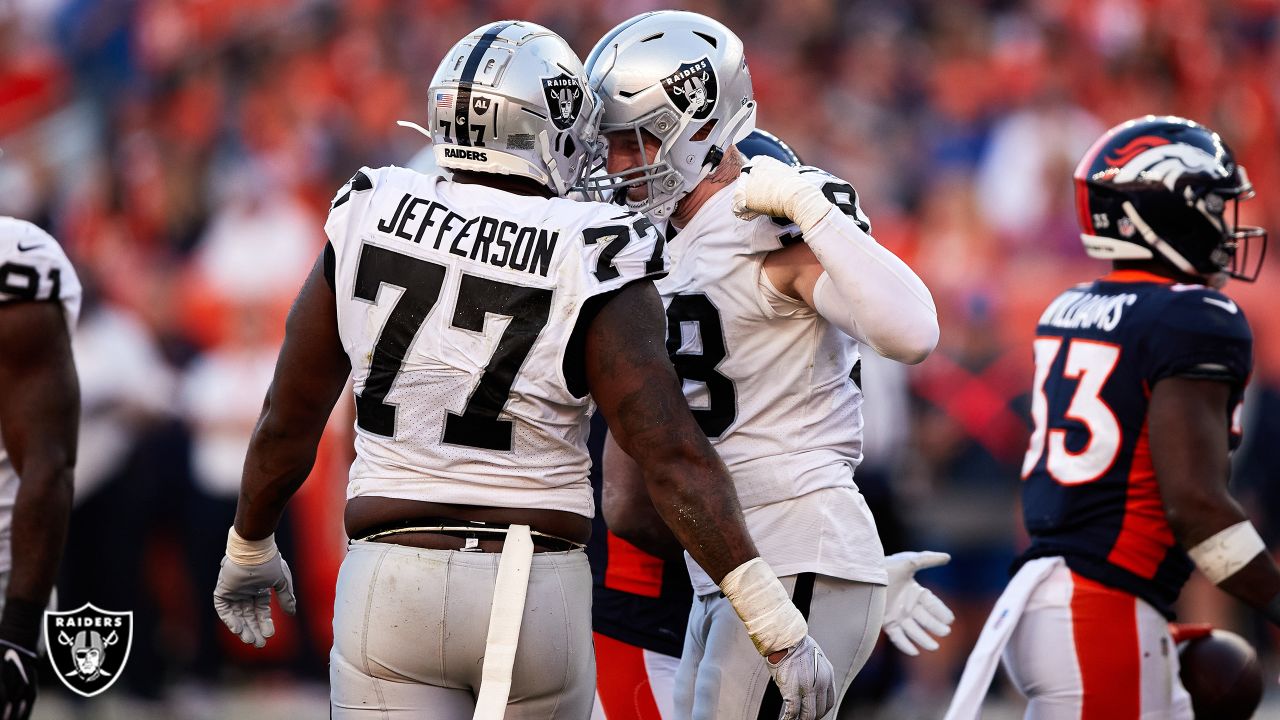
x=699 y=504
x=278 y=462
x=628 y=511
x=870 y=293
x=40 y=517
x=687 y=483
x=640 y=523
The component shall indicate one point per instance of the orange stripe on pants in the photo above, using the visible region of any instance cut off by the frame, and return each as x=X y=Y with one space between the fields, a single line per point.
x=622 y=681
x=1105 y=630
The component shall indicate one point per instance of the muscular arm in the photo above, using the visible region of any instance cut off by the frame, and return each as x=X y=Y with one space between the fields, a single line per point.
x=39 y=420
x=860 y=287
x=310 y=374
x=840 y=271
x=628 y=511
x=1190 y=452
x=631 y=378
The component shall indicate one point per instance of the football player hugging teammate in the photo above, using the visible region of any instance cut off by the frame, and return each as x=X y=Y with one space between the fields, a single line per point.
x=1138 y=383
x=775 y=285
x=480 y=316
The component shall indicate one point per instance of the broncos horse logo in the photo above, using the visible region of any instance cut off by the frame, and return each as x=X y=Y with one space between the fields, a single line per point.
x=1150 y=157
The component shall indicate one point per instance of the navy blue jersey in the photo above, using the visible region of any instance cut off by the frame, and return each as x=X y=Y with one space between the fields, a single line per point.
x=637 y=598
x=1090 y=492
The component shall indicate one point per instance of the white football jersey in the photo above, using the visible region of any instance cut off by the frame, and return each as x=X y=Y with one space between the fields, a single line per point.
x=768 y=381
x=462 y=308
x=32 y=268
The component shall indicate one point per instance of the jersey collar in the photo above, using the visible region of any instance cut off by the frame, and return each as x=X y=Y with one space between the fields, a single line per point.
x=1135 y=276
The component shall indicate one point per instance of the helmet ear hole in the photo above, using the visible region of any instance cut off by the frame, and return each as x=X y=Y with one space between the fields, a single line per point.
x=704 y=132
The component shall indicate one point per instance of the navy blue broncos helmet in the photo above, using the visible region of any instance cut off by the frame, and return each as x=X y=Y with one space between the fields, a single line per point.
x=761 y=142
x=1158 y=187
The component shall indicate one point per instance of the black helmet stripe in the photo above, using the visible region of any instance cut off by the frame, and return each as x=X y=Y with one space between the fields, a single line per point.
x=462 y=107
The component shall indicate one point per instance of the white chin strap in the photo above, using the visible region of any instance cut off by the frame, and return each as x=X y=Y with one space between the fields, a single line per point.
x=1156 y=242
x=414 y=126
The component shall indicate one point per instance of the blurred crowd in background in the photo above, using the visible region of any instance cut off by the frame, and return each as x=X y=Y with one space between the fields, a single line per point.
x=185 y=152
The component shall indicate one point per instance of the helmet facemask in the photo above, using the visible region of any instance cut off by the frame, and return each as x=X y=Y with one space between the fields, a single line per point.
x=682 y=78
x=1243 y=247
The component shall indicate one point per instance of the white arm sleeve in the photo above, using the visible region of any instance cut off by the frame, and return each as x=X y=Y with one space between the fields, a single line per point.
x=869 y=293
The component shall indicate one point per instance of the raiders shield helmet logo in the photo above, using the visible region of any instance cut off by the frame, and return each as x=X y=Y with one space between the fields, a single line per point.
x=693 y=89
x=88 y=647
x=564 y=99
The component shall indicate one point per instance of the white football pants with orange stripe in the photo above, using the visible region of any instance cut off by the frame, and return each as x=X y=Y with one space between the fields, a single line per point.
x=1086 y=651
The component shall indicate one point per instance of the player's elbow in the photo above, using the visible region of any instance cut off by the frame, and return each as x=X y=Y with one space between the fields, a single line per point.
x=909 y=345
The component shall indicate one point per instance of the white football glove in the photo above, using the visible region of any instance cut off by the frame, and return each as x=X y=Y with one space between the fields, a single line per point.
x=242 y=597
x=913 y=615
x=769 y=187
x=806 y=680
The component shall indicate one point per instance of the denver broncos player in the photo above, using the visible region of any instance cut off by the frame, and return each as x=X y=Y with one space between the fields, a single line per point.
x=482 y=314
x=1136 y=407
x=775 y=283
x=39 y=419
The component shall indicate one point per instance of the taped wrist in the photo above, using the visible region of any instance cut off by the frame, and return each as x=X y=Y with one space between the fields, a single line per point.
x=250 y=552
x=778 y=189
x=1223 y=554
x=20 y=623
x=759 y=598
x=808 y=206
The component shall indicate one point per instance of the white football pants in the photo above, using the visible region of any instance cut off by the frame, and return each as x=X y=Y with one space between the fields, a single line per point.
x=723 y=677
x=1086 y=651
x=410 y=626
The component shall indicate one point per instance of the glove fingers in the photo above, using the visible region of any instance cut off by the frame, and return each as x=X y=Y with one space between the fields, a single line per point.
x=227 y=613
x=828 y=673
x=937 y=608
x=900 y=641
x=262 y=615
x=284 y=591
x=918 y=635
x=935 y=625
x=928 y=559
x=249 y=633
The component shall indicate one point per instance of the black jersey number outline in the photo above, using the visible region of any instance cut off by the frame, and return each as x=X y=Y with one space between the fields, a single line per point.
x=841 y=194
x=421 y=281
x=616 y=238
x=30 y=287
x=722 y=407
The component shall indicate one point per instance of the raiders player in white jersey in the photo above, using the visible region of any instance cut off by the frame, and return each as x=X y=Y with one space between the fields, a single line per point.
x=39 y=417
x=480 y=316
x=774 y=284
